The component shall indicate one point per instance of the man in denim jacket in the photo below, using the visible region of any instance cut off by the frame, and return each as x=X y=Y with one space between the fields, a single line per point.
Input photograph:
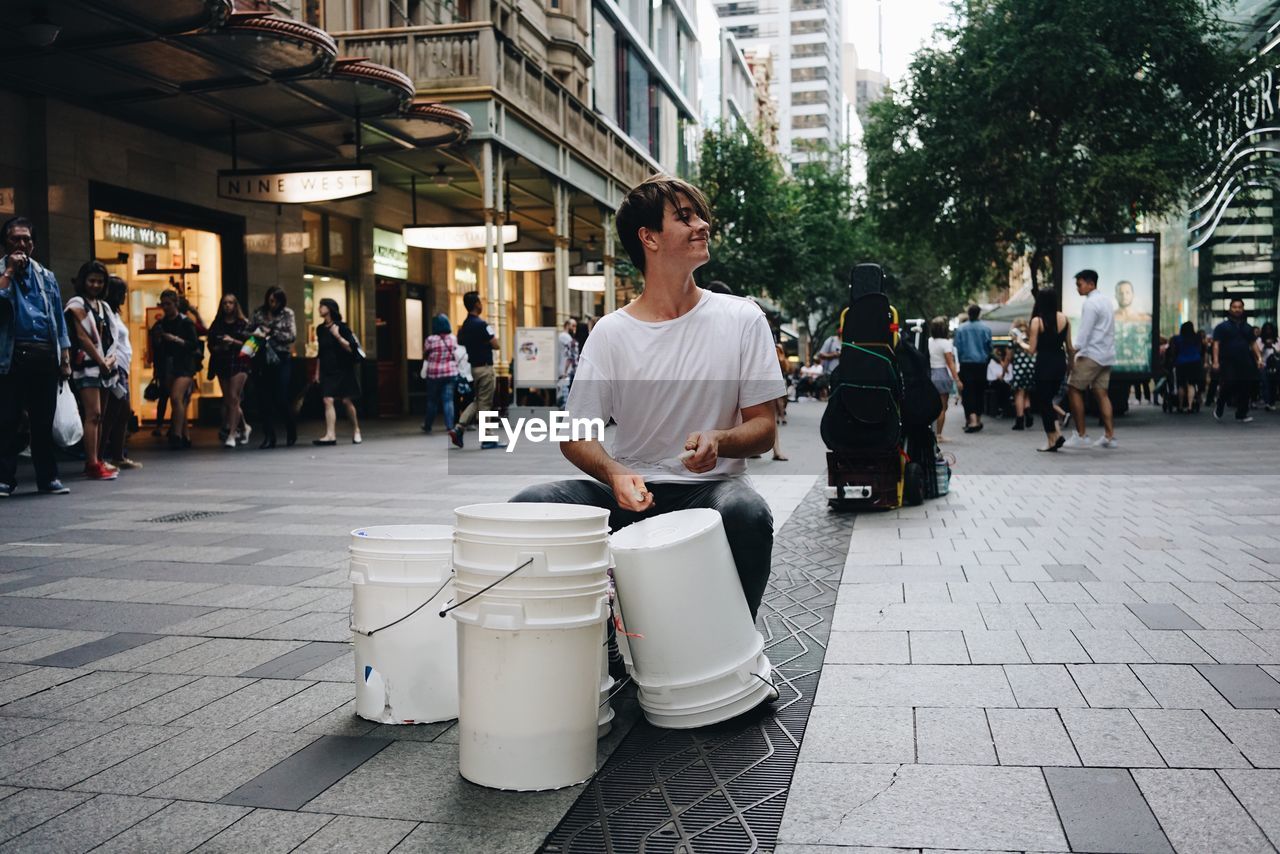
x=35 y=356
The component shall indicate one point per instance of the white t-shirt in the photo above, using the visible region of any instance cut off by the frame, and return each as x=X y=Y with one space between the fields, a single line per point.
x=662 y=381
x=938 y=350
x=121 y=347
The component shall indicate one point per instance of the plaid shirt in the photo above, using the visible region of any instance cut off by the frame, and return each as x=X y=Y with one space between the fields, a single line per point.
x=439 y=354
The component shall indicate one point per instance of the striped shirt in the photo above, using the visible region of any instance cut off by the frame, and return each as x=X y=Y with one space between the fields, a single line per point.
x=438 y=351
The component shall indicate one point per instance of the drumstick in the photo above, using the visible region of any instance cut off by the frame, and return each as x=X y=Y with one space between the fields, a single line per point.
x=687 y=455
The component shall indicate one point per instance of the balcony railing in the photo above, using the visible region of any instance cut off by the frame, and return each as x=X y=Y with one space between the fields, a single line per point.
x=447 y=60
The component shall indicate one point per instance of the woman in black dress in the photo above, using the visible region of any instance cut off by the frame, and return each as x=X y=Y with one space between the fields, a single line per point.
x=176 y=343
x=1051 y=344
x=227 y=334
x=338 y=358
x=275 y=325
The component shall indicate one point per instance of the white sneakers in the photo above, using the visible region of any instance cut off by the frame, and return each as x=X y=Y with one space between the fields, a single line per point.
x=1075 y=440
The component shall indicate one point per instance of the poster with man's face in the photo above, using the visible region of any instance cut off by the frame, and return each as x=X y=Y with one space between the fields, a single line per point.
x=1126 y=273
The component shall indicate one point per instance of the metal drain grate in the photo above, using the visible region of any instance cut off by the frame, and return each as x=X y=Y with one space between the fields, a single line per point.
x=189 y=516
x=724 y=788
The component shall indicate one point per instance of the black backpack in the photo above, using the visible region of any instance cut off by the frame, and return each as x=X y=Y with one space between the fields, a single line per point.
x=921 y=403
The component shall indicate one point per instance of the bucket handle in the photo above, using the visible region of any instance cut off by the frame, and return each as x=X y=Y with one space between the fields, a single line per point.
x=373 y=632
x=484 y=589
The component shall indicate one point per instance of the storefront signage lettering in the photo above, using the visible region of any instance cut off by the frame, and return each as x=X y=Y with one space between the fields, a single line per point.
x=390 y=255
x=291 y=188
x=126 y=232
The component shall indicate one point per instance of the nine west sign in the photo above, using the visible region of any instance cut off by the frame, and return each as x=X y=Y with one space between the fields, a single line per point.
x=296 y=187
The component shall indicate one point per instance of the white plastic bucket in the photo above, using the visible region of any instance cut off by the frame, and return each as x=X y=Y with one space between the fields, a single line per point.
x=695 y=654
x=529 y=645
x=604 y=713
x=406 y=661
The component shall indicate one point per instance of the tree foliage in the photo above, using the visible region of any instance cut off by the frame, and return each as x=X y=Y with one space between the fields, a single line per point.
x=1031 y=119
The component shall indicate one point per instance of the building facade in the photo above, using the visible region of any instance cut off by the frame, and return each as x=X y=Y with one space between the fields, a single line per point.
x=519 y=125
x=803 y=37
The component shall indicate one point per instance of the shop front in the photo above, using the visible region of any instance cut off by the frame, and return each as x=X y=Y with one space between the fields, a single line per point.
x=154 y=245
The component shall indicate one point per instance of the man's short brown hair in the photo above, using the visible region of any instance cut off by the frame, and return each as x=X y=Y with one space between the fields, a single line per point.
x=645 y=206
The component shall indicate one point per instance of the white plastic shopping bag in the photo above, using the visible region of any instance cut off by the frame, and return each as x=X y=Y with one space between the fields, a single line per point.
x=67 y=429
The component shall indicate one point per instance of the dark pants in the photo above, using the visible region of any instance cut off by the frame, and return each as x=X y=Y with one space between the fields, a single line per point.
x=748 y=522
x=440 y=399
x=1239 y=392
x=277 y=405
x=974 y=377
x=30 y=385
x=115 y=422
x=1047 y=386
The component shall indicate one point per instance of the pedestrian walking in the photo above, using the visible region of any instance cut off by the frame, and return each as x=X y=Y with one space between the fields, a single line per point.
x=338 y=357
x=1049 y=341
x=119 y=411
x=780 y=405
x=440 y=370
x=274 y=323
x=480 y=341
x=567 y=360
x=227 y=335
x=1237 y=360
x=829 y=355
x=93 y=370
x=1270 y=364
x=177 y=346
x=973 y=351
x=942 y=369
x=1023 y=375
x=1188 y=366
x=35 y=356
x=1094 y=355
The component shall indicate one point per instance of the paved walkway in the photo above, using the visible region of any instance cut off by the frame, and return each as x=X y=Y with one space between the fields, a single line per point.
x=1079 y=657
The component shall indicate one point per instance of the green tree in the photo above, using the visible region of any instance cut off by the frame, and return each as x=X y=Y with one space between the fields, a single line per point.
x=1031 y=119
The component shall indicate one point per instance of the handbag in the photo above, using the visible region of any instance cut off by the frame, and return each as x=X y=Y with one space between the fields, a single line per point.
x=152 y=391
x=67 y=428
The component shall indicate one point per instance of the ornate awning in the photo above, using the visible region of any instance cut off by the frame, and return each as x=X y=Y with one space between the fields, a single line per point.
x=271 y=89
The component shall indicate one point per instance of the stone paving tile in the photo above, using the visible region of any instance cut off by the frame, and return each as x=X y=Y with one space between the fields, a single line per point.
x=1259 y=793
x=12 y=729
x=139 y=657
x=1003 y=647
x=86 y=653
x=1245 y=686
x=429 y=838
x=1168 y=647
x=114 y=701
x=1162 y=616
x=241 y=705
x=1179 y=686
x=1186 y=738
x=1113 y=616
x=377 y=790
x=914 y=806
x=181 y=826
x=293 y=664
x=69 y=693
x=913 y=685
x=1198 y=811
x=355 y=835
x=1109 y=738
x=300 y=710
x=932 y=616
x=953 y=737
x=31 y=807
x=1102 y=810
x=341 y=669
x=150 y=768
x=1229 y=647
x=1031 y=737
x=862 y=735
x=36 y=680
x=1218 y=617
x=85 y=826
x=868 y=648
x=872 y=593
x=215 y=777
x=93 y=616
x=223 y=657
x=929 y=647
x=1003 y=617
x=49 y=646
x=1110 y=686
x=1255 y=733
x=1043 y=686
x=83 y=761
x=341 y=721
x=37 y=747
x=1052 y=646
x=173 y=705
x=296 y=780
x=311 y=627
x=265 y=832
x=1111 y=646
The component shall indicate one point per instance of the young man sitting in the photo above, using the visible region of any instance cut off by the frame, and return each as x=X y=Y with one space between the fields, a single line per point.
x=680 y=369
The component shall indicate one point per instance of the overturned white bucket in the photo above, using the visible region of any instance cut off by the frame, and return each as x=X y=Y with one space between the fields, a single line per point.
x=695 y=654
x=604 y=712
x=531 y=590
x=406 y=656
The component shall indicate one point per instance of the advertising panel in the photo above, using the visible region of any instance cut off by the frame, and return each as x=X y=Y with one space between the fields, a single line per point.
x=535 y=359
x=1128 y=272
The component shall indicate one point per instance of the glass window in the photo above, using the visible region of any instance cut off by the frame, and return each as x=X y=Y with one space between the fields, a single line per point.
x=313 y=225
x=818 y=120
x=817 y=72
x=813 y=25
x=604 y=72
x=815 y=49
x=818 y=97
x=342 y=245
x=638 y=100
